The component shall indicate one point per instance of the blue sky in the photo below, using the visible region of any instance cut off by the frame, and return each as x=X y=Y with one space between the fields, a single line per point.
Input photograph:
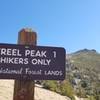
x=72 y=24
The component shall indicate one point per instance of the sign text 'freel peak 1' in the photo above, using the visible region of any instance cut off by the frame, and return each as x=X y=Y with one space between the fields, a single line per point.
x=32 y=62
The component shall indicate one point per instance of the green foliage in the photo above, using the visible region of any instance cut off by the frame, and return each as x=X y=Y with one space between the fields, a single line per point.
x=91 y=98
x=51 y=85
x=97 y=97
x=64 y=88
x=81 y=93
x=86 y=67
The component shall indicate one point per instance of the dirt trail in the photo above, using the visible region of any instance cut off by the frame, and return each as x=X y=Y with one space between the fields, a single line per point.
x=6 y=89
x=43 y=94
x=7 y=86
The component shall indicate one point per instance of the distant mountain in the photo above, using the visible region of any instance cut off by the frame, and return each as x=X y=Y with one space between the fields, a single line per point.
x=87 y=60
x=85 y=51
x=85 y=70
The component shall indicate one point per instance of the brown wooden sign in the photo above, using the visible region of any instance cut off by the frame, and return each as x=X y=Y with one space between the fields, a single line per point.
x=32 y=62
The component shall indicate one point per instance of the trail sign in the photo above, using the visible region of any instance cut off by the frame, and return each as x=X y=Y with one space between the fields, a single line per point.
x=32 y=62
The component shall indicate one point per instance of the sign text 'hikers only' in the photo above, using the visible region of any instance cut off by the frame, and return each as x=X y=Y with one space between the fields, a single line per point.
x=32 y=62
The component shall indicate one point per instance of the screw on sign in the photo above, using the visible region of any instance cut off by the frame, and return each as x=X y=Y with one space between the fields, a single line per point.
x=22 y=95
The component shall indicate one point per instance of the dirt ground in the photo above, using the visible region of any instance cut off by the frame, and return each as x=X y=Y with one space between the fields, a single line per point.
x=7 y=87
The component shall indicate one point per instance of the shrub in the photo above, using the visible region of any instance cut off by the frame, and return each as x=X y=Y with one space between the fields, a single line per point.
x=64 y=88
x=67 y=89
x=51 y=85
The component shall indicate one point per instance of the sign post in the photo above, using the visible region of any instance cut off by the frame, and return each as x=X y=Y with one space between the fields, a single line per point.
x=23 y=89
x=25 y=62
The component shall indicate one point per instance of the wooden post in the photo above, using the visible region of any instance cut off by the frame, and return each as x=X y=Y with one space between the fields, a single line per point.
x=24 y=89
